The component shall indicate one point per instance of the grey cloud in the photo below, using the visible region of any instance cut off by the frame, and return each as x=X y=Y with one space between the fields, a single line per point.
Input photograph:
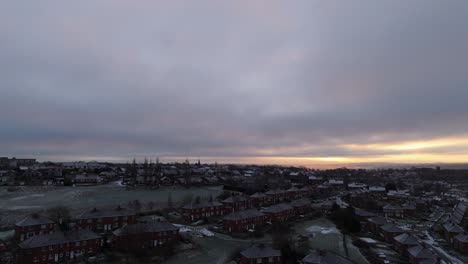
x=245 y=78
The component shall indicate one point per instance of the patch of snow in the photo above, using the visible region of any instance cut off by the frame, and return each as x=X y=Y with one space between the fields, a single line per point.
x=322 y=230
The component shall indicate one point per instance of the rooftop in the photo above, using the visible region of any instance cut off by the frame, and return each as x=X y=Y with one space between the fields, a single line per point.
x=58 y=238
x=34 y=220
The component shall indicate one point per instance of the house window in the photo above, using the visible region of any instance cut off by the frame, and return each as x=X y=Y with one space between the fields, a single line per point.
x=259 y=260
x=270 y=260
x=77 y=244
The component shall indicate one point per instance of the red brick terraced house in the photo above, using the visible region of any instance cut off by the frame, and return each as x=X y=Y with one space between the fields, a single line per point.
x=305 y=191
x=403 y=242
x=374 y=224
x=301 y=206
x=276 y=196
x=33 y=225
x=401 y=211
x=451 y=230
x=104 y=220
x=279 y=212
x=362 y=214
x=258 y=200
x=421 y=255
x=460 y=242
x=377 y=191
x=293 y=193
x=86 y=179
x=389 y=231
x=144 y=236
x=235 y=203
x=459 y=214
x=261 y=254
x=59 y=247
x=195 y=211
x=392 y=210
x=242 y=221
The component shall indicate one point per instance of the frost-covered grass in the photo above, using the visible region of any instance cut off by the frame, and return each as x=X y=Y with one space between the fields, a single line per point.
x=14 y=205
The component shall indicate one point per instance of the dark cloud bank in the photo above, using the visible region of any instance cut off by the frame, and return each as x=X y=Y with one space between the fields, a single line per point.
x=116 y=79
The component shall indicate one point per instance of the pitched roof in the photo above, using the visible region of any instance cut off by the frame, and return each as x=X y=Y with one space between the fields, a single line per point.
x=323 y=257
x=421 y=252
x=34 y=220
x=258 y=195
x=391 y=228
x=273 y=192
x=452 y=227
x=462 y=238
x=139 y=228
x=58 y=238
x=100 y=213
x=276 y=208
x=246 y=214
x=407 y=239
x=363 y=213
x=260 y=251
x=392 y=207
x=377 y=189
x=300 y=203
x=235 y=199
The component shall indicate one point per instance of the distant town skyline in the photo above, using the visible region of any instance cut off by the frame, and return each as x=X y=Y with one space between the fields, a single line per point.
x=305 y=83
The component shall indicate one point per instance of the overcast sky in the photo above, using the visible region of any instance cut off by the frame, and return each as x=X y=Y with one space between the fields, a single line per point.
x=296 y=82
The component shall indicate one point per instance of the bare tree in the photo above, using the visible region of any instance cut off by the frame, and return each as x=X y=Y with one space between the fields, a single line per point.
x=150 y=206
x=60 y=215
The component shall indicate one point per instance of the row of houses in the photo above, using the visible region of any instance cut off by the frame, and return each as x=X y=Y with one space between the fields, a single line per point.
x=41 y=241
x=453 y=230
x=197 y=210
x=96 y=220
x=248 y=220
x=265 y=254
x=61 y=247
x=406 y=244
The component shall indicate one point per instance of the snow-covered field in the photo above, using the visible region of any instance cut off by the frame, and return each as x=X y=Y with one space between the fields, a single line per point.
x=32 y=199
